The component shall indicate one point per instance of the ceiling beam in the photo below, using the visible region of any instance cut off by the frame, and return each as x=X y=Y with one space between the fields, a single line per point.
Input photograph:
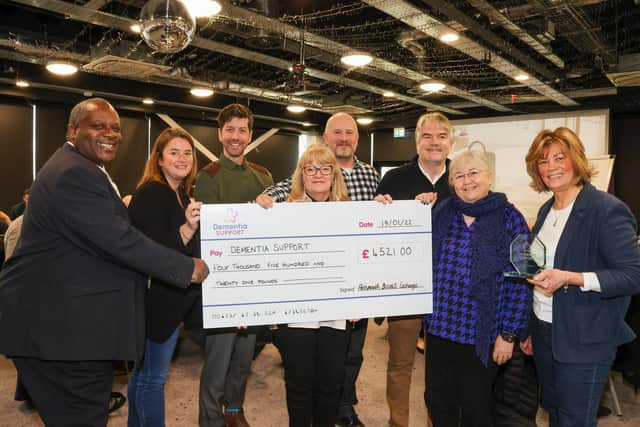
x=37 y=52
x=452 y=12
x=135 y=99
x=578 y=94
x=496 y=16
x=96 y=4
x=417 y=18
x=339 y=49
x=249 y=30
x=107 y=20
x=323 y=75
x=581 y=32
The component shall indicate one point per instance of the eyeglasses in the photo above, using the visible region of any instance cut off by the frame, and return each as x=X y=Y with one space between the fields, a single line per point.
x=472 y=174
x=312 y=170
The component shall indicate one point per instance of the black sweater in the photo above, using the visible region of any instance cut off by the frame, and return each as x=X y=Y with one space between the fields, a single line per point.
x=155 y=211
x=407 y=181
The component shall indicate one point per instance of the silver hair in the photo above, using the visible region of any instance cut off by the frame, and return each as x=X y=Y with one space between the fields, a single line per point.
x=474 y=158
x=436 y=117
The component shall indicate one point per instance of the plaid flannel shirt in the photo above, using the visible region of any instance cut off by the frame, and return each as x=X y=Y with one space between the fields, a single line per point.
x=361 y=182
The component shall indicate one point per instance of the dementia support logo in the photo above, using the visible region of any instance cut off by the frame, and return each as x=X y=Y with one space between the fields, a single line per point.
x=231 y=225
x=231 y=216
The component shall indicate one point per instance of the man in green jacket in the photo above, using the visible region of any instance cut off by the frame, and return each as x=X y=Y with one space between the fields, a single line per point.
x=229 y=352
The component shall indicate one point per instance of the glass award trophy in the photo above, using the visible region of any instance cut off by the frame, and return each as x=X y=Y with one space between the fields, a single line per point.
x=527 y=255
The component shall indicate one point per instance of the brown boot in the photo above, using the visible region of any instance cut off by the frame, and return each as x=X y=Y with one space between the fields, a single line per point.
x=235 y=419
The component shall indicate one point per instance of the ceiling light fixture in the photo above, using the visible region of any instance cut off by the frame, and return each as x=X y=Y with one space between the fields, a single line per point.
x=356 y=59
x=61 y=68
x=201 y=92
x=148 y=101
x=296 y=108
x=364 y=120
x=136 y=28
x=432 y=86
x=203 y=8
x=522 y=77
x=22 y=83
x=449 y=37
x=388 y=94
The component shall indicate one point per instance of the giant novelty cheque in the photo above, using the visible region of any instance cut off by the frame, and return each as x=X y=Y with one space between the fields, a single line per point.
x=301 y=262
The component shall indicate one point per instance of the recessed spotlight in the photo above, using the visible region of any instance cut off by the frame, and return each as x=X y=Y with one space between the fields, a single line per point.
x=432 y=86
x=201 y=92
x=364 y=120
x=203 y=8
x=388 y=94
x=356 y=59
x=22 y=83
x=449 y=37
x=522 y=77
x=61 y=68
x=295 y=108
x=136 y=28
x=148 y=101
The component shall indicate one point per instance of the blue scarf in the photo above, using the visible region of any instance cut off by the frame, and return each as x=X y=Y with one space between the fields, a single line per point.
x=490 y=254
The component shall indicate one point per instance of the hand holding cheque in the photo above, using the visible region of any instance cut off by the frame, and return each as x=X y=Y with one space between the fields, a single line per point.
x=298 y=262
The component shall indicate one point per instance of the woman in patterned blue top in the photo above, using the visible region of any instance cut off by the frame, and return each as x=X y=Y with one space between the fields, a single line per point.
x=477 y=312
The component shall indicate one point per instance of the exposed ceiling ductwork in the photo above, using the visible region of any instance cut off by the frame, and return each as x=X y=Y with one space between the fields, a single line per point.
x=411 y=15
x=495 y=15
x=339 y=49
x=282 y=51
x=581 y=32
x=107 y=20
x=410 y=41
x=107 y=64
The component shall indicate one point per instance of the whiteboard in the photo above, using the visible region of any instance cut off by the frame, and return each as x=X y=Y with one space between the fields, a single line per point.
x=507 y=139
x=604 y=168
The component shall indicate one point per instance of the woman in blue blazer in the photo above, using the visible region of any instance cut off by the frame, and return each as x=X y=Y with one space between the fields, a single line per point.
x=592 y=269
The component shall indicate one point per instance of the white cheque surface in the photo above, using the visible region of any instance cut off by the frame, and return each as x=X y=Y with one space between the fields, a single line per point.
x=301 y=262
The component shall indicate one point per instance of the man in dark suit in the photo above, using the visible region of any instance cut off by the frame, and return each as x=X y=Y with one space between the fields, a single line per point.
x=71 y=297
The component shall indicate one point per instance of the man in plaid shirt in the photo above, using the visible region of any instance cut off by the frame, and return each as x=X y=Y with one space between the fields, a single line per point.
x=341 y=135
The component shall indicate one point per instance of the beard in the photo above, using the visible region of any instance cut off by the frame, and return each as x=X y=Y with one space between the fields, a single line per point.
x=344 y=152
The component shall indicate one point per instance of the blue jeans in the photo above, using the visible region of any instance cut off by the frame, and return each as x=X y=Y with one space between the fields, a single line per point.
x=146 y=385
x=570 y=392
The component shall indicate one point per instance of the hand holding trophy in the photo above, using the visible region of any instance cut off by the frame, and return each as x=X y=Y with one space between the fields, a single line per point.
x=527 y=255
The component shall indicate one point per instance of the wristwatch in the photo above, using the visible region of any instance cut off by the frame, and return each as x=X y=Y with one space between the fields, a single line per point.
x=508 y=336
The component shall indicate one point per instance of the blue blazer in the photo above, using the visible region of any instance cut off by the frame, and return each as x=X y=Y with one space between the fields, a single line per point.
x=599 y=237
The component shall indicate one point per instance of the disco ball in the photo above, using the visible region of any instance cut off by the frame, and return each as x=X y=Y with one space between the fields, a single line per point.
x=167 y=25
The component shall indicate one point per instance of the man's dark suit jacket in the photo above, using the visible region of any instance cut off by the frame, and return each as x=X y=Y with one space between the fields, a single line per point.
x=600 y=237
x=74 y=288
